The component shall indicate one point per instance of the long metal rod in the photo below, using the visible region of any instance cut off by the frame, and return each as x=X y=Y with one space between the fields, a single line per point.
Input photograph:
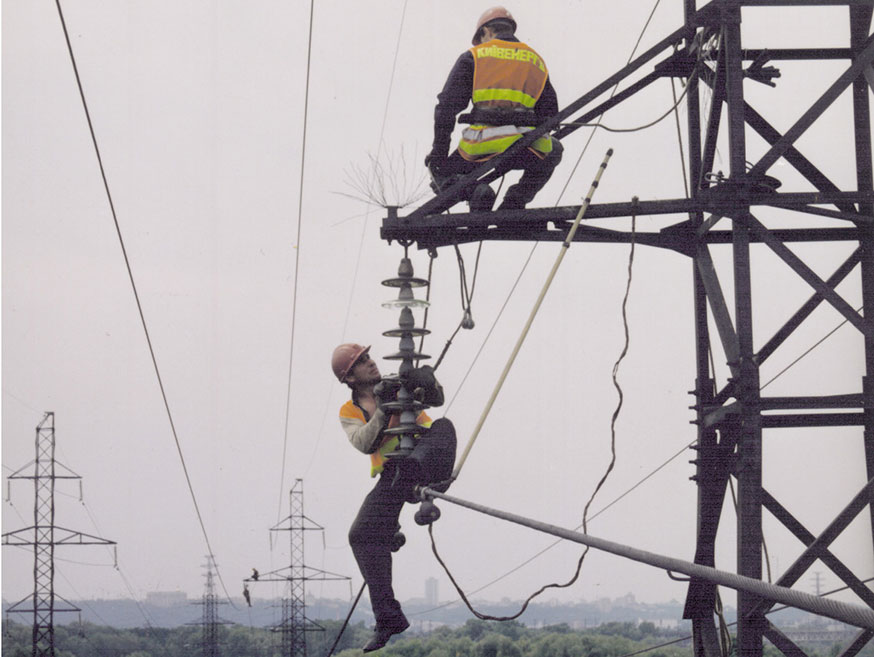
x=842 y=611
x=533 y=314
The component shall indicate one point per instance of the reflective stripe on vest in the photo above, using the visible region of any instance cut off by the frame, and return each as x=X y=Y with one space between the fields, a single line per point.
x=480 y=142
x=507 y=74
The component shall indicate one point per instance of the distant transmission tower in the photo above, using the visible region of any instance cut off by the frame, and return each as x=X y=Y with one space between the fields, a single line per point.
x=294 y=623
x=44 y=535
x=210 y=620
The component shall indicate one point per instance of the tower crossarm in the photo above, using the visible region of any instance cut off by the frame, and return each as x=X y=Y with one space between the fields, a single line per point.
x=61 y=537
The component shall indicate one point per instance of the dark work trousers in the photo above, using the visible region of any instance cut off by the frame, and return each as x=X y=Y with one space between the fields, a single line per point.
x=377 y=521
x=536 y=172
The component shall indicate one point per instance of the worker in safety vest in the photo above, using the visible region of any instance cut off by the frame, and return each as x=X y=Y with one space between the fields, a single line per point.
x=508 y=83
x=375 y=534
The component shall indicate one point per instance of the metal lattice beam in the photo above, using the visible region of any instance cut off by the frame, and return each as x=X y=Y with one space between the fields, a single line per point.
x=295 y=624
x=707 y=52
x=44 y=536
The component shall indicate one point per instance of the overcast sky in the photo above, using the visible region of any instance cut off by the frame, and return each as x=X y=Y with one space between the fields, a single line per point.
x=198 y=109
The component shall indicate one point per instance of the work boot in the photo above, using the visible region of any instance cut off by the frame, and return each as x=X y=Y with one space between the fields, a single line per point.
x=482 y=199
x=384 y=631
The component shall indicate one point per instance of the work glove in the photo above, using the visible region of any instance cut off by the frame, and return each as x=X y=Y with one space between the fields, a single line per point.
x=425 y=386
x=436 y=164
x=386 y=391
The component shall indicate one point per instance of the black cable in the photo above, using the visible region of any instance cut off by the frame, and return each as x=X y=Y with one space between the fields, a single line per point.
x=615 y=373
x=612 y=93
x=346 y=622
x=635 y=129
x=853 y=614
x=303 y=151
x=135 y=292
x=466 y=299
x=576 y=575
x=814 y=346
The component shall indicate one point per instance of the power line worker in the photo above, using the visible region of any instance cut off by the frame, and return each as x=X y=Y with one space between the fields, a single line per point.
x=508 y=84
x=374 y=532
x=246 y=594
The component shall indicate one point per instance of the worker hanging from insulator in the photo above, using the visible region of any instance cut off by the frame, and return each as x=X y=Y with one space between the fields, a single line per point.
x=246 y=594
x=508 y=84
x=386 y=419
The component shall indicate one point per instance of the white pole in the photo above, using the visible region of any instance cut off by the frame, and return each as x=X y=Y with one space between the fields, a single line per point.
x=527 y=327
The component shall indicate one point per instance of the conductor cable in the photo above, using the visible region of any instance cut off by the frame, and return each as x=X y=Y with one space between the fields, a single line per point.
x=845 y=612
x=137 y=296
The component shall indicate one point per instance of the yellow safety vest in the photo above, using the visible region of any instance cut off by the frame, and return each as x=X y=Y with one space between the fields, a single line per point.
x=506 y=75
x=388 y=443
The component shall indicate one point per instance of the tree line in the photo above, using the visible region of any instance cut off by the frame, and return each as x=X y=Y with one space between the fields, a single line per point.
x=474 y=639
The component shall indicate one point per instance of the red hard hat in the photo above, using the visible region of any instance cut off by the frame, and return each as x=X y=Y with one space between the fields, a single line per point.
x=490 y=15
x=344 y=358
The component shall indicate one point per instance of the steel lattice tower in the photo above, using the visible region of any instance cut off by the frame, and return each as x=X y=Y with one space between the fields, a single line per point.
x=733 y=417
x=295 y=623
x=210 y=621
x=294 y=627
x=44 y=536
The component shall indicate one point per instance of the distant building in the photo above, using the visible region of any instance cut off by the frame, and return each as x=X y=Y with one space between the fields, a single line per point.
x=432 y=596
x=166 y=598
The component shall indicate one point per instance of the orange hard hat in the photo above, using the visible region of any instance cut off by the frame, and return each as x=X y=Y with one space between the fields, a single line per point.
x=344 y=358
x=489 y=15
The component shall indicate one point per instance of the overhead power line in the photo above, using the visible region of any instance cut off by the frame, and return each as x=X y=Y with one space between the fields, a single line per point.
x=133 y=284
x=303 y=153
x=366 y=215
